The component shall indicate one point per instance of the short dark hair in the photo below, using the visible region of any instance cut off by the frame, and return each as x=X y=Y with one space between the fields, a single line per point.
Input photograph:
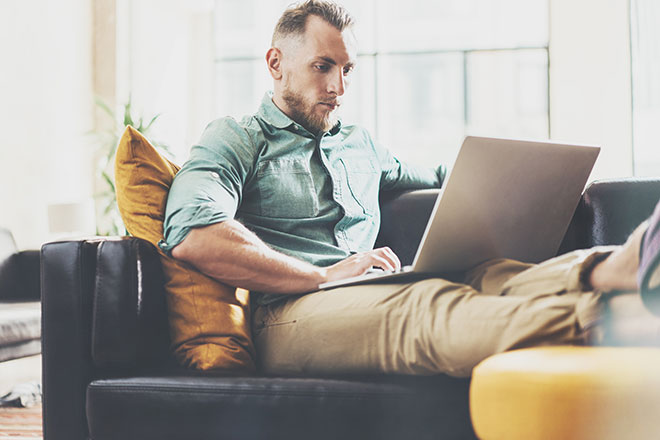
x=294 y=19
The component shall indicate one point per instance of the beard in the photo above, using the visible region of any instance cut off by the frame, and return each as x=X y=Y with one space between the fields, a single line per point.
x=302 y=111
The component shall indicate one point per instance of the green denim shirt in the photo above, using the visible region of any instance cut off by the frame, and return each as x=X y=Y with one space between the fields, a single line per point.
x=313 y=197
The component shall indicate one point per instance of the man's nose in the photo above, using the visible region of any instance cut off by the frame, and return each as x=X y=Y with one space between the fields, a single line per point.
x=337 y=84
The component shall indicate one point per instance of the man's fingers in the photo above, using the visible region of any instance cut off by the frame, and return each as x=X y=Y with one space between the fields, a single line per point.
x=381 y=262
x=360 y=263
x=388 y=255
x=381 y=257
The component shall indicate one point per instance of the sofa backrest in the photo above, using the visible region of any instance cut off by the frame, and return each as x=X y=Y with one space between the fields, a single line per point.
x=609 y=211
x=404 y=215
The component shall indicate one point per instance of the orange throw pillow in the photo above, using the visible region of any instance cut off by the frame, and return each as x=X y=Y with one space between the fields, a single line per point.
x=209 y=321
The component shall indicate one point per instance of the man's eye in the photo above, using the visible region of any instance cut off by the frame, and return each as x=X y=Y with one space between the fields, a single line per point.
x=321 y=67
x=348 y=70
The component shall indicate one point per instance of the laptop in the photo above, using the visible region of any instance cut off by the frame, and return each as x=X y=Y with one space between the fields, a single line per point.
x=504 y=198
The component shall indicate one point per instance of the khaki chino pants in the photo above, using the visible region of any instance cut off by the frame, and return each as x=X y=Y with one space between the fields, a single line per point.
x=430 y=326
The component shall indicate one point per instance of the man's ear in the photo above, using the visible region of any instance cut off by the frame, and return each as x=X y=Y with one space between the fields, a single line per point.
x=274 y=61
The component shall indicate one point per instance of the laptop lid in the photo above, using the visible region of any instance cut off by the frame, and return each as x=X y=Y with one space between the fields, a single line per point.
x=504 y=199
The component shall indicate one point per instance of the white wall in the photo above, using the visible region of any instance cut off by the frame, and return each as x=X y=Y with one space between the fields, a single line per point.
x=590 y=86
x=45 y=110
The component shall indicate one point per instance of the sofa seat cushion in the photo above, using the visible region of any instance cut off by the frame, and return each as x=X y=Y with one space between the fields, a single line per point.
x=20 y=329
x=19 y=322
x=379 y=407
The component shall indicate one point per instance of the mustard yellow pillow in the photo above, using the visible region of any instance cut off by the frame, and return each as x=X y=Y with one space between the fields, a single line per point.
x=209 y=321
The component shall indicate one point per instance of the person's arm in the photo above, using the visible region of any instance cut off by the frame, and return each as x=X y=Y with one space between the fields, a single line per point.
x=200 y=229
x=234 y=255
x=397 y=175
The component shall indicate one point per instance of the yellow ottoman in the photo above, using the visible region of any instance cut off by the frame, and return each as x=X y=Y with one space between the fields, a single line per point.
x=562 y=393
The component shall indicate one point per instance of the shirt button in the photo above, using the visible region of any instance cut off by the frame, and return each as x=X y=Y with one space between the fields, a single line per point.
x=215 y=175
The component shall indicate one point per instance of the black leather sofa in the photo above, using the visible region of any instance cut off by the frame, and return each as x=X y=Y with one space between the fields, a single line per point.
x=20 y=311
x=107 y=372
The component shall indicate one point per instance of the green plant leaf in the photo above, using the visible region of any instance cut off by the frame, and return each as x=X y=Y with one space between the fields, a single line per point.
x=108 y=180
x=113 y=150
x=165 y=148
x=150 y=123
x=128 y=117
x=105 y=107
x=107 y=141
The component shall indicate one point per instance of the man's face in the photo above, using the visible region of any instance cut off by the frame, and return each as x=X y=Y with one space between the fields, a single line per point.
x=315 y=72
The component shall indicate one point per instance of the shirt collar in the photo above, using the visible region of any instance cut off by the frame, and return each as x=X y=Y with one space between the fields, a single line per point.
x=334 y=130
x=272 y=115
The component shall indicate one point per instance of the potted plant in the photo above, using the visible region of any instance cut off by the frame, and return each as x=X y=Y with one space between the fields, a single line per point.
x=108 y=218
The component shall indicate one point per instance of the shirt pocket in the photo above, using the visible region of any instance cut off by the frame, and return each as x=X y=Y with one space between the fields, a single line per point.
x=363 y=182
x=286 y=189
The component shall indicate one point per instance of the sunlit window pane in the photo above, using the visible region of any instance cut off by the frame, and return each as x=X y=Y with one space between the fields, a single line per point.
x=359 y=102
x=645 y=15
x=244 y=28
x=428 y=72
x=240 y=86
x=416 y=25
x=421 y=105
x=364 y=13
x=508 y=93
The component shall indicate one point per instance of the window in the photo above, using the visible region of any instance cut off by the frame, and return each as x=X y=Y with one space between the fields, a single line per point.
x=427 y=74
x=645 y=41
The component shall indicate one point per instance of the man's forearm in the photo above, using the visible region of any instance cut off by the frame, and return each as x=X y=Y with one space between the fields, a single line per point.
x=231 y=253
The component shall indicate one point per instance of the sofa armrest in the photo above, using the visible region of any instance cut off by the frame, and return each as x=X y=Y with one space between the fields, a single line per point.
x=615 y=207
x=19 y=277
x=609 y=211
x=67 y=280
x=404 y=216
x=103 y=314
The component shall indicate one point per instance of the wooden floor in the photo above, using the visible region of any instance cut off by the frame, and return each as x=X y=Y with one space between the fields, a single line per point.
x=20 y=423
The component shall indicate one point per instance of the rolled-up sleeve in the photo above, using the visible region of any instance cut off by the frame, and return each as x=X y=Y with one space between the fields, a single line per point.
x=209 y=186
x=397 y=175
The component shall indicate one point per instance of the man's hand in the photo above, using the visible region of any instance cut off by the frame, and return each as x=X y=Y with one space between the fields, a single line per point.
x=359 y=264
x=232 y=254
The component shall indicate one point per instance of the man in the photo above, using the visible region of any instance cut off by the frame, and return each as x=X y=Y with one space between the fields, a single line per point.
x=287 y=199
